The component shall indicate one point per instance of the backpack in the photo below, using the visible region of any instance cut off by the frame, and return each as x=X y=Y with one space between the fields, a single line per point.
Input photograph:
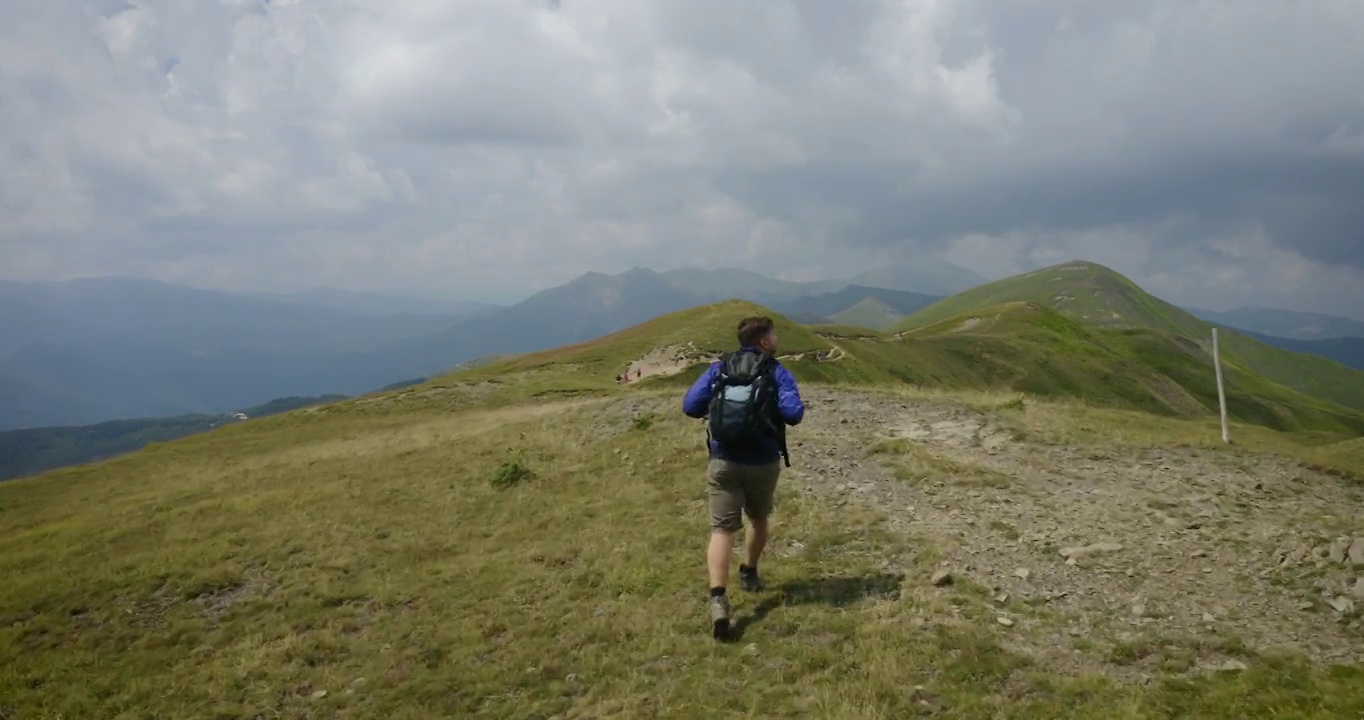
x=743 y=402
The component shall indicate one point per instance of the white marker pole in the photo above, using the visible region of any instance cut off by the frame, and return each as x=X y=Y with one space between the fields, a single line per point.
x=1221 y=392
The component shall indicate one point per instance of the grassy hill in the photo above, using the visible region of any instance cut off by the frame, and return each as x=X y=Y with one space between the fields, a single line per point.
x=524 y=540
x=1099 y=297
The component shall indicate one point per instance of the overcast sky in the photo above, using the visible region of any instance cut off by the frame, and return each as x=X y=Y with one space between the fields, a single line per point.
x=1213 y=151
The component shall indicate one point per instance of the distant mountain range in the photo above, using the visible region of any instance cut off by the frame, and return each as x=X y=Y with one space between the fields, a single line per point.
x=1285 y=323
x=27 y=452
x=92 y=350
x=87 y=351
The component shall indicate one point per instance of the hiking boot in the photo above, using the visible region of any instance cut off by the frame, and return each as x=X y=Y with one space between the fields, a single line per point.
x=749 y=579
x=719 y=617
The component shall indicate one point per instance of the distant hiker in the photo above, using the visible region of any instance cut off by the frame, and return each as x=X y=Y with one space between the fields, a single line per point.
x=749 y=399
x=639 y=373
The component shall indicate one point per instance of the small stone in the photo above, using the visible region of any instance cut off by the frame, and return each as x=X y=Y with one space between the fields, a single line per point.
x=571 y=677
x=1006 y=622
x=941 y=578
x=1343 y=605
x=1338 y=549
x=1306 y=605
x=751 y=649
x=1022 y=573
x=1232 y=666
x=1002 y=598
x=1094 y=549
x=1208 y=617
x=1198 y=554
x=1139 y=610
x=1356 y=552
x=1358 y=590
x=319 y=694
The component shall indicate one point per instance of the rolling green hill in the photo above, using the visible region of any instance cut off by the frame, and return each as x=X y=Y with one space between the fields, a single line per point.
x=1099 y=297
x=525 y=539
x=1020 y=347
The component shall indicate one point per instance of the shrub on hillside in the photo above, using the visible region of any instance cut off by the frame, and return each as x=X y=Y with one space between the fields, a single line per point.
x=509 y=473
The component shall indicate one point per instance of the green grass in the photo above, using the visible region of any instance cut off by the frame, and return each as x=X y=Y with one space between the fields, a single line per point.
x=1097 y=297
x=1028 y=348
x=526 y=540
x=245 y=572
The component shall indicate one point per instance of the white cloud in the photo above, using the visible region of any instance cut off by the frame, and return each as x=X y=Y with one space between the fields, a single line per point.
x=470 y=145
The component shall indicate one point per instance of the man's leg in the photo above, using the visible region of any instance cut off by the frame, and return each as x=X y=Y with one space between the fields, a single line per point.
x=757 y=540
x=726 y=500
x=717 y=557
x=760 y=495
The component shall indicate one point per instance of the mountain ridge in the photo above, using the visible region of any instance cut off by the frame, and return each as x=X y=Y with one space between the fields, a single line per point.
x=1102 y=297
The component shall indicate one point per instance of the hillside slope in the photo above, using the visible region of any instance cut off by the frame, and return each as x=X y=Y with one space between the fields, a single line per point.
x=1097 y=296
x=525 y=539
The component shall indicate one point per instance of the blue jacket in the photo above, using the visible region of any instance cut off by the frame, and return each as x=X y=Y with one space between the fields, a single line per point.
x=696 y=404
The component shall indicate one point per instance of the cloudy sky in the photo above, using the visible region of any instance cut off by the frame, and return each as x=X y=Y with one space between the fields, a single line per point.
x=1213 y=151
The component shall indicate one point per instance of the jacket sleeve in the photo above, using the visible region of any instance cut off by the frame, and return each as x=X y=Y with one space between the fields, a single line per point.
x=789 y=404
x=696 y=403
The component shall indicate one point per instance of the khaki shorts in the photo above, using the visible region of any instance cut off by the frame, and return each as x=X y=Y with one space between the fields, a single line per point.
x=734 y=487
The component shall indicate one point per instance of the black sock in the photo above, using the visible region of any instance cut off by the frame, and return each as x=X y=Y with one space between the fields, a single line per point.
x=717 y=592
x=747 y=570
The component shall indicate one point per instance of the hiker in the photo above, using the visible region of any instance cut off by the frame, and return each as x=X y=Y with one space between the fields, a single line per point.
x=749 y=399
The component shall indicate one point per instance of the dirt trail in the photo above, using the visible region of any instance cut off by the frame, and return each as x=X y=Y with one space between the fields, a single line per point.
x=675 y=359
x=664 y=361
x=1130 y=562
x=1082 y=546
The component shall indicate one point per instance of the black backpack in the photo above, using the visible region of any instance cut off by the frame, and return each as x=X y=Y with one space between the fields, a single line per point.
x=743 y=402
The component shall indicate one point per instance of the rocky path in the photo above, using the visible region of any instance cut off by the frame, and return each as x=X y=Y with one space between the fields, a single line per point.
x=1161 y=558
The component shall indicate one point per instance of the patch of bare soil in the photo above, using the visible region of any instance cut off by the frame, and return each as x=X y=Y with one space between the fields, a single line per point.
x=832 y=354
x=669 y=360
x=215 y=604
x=1133 y=560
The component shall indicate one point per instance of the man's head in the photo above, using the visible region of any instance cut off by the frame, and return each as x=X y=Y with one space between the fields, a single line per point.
x=758 y=332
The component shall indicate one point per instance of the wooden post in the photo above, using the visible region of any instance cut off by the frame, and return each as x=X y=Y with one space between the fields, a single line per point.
x=1221 y=391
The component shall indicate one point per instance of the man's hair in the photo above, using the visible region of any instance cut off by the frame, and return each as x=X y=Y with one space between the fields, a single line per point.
x=753 y=329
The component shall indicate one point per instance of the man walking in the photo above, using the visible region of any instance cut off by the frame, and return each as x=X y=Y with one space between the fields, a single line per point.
x=749 y=399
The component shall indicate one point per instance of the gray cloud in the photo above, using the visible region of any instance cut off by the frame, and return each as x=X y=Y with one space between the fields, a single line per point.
x=1214 y=151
